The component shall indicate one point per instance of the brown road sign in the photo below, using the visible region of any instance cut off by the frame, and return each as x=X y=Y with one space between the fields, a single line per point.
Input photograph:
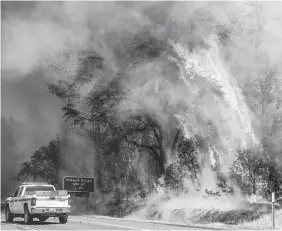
x=78 y=184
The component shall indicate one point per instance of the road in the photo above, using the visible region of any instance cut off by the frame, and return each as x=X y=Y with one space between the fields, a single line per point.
x=87 y=223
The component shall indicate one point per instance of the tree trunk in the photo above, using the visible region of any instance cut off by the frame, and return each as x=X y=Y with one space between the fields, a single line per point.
x=175 y=140
x=254 y=185
x=162 y=153
x=162 y=161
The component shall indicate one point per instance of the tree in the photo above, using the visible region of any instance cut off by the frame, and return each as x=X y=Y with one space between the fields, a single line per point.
x=186 y=164
x=263 y=94
x=273 y=177
x=98 y=108
x=136 y=105
x=44 y=164
x=248 y=169
x=188 y=156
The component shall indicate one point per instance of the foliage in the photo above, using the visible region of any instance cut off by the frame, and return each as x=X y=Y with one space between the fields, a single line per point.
x=255 y=171
x=187 y=151
x=96 y=111
x=186 y=165
x=44 y=164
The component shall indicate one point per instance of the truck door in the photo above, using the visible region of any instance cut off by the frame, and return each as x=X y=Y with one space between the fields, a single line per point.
x=19 y=202
x=13 y=201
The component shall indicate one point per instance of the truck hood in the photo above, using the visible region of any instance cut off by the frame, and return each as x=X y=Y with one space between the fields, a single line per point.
x=8 y=199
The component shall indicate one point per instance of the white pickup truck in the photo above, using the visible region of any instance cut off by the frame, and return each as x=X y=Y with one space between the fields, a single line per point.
x=38 y=200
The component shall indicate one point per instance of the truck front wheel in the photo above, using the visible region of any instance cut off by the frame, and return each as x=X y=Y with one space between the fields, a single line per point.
x=27 y=216
x=63 y=219
x=8 y=215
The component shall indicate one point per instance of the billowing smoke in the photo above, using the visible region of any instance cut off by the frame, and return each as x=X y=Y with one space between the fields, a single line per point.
x=41 y=31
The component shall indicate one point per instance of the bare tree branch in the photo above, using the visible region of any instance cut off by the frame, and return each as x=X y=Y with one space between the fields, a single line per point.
x=152 y=148
x=176 y=137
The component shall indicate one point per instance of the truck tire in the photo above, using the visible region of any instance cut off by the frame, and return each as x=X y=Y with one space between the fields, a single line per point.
x=8 y=215
x=42 y=219
x=27 y=216
x=63 y=219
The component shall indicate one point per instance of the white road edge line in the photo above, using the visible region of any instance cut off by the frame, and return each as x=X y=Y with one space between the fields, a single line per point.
x=120 y=226
x=23 y=226
x=160 y=222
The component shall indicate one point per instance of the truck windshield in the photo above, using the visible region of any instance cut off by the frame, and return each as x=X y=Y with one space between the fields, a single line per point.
x=39 y=188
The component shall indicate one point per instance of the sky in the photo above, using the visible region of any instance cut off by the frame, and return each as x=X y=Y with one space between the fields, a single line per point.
x=25 y=95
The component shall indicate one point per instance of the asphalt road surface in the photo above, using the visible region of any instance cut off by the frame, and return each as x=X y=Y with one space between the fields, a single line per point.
x=86 y=223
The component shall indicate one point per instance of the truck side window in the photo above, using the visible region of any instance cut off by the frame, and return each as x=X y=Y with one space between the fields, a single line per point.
x=20 y=192
x=17 y=192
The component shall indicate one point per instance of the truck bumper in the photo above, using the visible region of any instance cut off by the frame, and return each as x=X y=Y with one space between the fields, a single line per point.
x=50 y=211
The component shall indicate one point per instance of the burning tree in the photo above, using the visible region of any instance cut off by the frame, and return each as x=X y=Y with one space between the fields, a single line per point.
x=154 y=95
x=97 y=111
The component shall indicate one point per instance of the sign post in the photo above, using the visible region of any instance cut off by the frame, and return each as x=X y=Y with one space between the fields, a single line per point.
x=87 y=205
x=79 y=187
x=273 y=210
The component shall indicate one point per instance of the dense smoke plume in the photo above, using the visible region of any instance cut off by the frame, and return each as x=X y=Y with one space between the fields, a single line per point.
x=41 y=31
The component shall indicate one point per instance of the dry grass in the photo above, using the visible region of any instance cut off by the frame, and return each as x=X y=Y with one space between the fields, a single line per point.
x=264 y=222
x=232 y=217
x=250 y=215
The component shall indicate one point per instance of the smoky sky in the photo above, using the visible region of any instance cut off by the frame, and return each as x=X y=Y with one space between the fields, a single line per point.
x=31 y=116
x=30 y=103
x=37 y=116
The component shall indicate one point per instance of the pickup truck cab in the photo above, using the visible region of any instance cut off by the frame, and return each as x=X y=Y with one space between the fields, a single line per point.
x=37 y=200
